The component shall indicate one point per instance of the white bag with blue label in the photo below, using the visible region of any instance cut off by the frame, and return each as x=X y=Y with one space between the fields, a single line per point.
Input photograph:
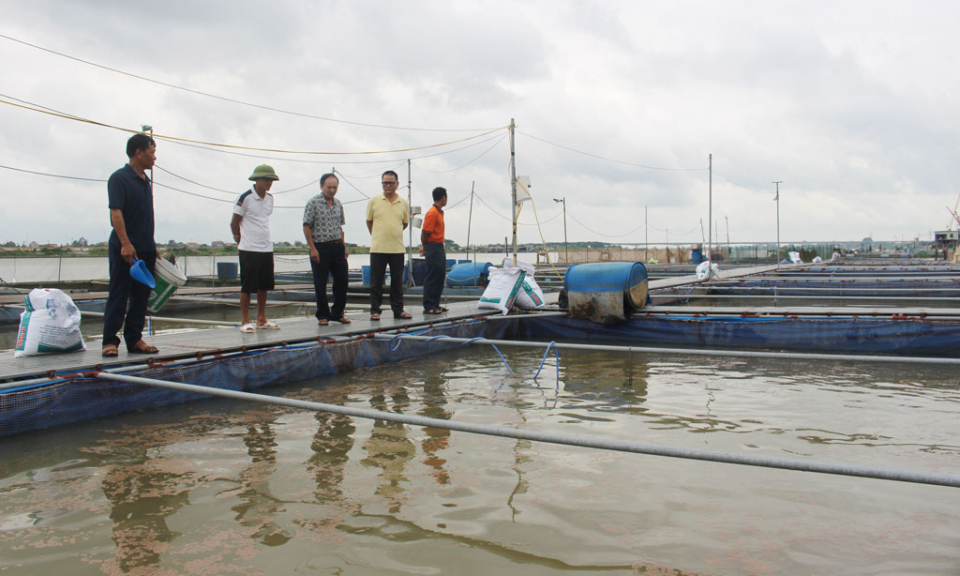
x=49 y=324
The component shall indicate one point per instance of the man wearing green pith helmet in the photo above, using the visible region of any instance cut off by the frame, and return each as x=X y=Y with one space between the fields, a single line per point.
x=251 y=231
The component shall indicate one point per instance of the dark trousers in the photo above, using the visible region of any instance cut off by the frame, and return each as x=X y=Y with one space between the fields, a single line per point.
x=332 y=261
x=127 y=300
x=436 y=260
x=378 y=267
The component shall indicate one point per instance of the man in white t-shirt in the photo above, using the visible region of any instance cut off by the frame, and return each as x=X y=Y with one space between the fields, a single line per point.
x=251 y=230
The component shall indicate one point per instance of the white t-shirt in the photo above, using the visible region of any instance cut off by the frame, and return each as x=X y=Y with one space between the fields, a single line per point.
x=255 y=223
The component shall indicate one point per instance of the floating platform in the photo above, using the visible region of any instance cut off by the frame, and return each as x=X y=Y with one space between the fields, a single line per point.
x=44 y=391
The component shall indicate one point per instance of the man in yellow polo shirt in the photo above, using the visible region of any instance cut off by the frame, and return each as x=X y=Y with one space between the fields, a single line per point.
x=387 y=217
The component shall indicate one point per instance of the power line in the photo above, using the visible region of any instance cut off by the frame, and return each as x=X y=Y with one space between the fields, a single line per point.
x=234 y=100
x=339 y=161
x=36 y=108
x=574 y=218
x=212 y=198
x=732 y=182
x=610 y=159
x=160 y=184
x=53 y=175
x=233 y=192
x=468 y=163
x=480 y=198
x=339 y=174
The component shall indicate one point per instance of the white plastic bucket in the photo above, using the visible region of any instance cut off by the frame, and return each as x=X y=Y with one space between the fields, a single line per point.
x=169 y=278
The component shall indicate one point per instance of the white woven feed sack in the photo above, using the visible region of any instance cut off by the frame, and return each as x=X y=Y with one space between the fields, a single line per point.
x=705 y=269
x=503 y=285
x=50 y=324
x=530 y=296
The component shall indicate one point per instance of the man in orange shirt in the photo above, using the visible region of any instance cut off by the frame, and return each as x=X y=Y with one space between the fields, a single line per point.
x=431 y=247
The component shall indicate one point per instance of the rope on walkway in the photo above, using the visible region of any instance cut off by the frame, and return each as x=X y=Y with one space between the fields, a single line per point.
x=562 y=439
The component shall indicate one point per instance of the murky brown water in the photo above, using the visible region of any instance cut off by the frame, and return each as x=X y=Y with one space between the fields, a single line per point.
x=221 y=487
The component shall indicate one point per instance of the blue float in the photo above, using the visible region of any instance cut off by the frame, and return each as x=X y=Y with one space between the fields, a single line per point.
x=469 y=274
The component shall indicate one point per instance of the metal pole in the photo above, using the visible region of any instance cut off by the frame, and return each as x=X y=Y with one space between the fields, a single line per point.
x=566 y=250
x=685 y=351
x=409 y=281
x=646 y=235
x=554 y=438
x=150 y=129
x=710 y=214
x=513 y=188
x=470 y=220
x=777 y=198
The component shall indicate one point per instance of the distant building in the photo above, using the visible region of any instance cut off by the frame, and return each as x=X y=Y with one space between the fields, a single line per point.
x=217 y=244
x=946 y=239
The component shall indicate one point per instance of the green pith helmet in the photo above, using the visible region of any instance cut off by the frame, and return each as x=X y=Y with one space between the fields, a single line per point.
x=264 y=171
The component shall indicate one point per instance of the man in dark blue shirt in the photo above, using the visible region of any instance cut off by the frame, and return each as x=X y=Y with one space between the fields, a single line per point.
x=131 y=215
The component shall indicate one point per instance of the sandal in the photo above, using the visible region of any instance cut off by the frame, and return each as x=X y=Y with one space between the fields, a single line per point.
x=403 y=316
x=374 y=316
x=343 y=320
x=268 y=326
x=248 y=328
x=142 y=347
x=442 y=309
x=323 y=322
x=435 y=311
x=110 y=351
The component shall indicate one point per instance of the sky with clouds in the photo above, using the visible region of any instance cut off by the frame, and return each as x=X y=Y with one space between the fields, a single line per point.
x=854 y=106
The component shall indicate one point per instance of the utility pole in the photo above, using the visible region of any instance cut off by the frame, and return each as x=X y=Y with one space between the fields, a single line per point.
x=727 y=222
x=409 y=226
x=148 y=128
x=470 y=221
x=710 y=214
x=513 y=187
x=777 y=199
x=566 y=251
x=646 y=235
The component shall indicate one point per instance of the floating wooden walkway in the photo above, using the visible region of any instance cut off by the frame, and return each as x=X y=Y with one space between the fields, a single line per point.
x=213 y=341
x=220 y=340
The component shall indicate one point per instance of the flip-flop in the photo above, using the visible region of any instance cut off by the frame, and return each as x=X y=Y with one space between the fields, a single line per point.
x=248 y=328
x=374 y=316
x=437 y=311
x=442 y=309
x=323 y=322
x=110 y=351
x=142 y=347
x=343 y=320
x=403 y=316
x=268 y=326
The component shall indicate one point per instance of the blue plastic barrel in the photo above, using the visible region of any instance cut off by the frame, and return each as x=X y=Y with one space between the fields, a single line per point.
x=696 y=256
x=365 y=272
x=604 y=292
x=469 y=274
x=419 y=271
x=227 y=270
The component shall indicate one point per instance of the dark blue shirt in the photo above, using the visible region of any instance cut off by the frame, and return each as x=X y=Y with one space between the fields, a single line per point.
x=133 y=196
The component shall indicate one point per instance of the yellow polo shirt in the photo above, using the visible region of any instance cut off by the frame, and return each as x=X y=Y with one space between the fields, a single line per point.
x=388 y=219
